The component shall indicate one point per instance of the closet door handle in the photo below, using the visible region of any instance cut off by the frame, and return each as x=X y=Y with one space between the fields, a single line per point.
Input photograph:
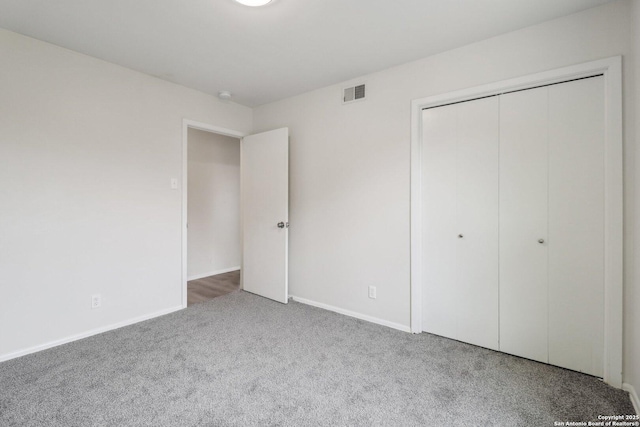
x=541 y=241
x=460 y=236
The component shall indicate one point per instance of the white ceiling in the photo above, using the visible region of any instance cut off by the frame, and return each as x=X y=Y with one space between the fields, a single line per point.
x=285 y=48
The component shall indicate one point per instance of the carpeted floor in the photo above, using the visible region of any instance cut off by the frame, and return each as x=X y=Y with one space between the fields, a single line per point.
x=242 y=360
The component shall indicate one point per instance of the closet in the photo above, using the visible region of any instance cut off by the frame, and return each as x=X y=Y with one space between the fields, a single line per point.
x=513 y=223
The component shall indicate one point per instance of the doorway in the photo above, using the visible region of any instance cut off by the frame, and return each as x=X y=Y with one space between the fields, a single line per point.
x=213 y=215
x=211 y=210
x=263 y=211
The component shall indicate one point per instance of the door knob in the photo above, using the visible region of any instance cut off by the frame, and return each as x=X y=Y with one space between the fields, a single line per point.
x=541 y=241
x=460 y=236
x=281 y=225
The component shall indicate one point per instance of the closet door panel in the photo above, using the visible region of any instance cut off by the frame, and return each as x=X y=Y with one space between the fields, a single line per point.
x=478 y=222
x=576 y=225
x=439 y=221
x=523 y=221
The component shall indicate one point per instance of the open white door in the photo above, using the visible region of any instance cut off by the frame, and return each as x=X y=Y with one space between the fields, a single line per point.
x=265 y=206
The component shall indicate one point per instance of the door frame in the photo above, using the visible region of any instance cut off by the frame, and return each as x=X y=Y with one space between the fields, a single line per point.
x=611 y=69
x=186 y=125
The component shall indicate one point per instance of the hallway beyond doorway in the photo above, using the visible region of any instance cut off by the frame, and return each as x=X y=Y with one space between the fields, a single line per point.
x=207 y=288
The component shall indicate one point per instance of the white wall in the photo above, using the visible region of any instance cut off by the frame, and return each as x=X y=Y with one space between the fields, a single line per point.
x=213 y=203
x=349 y=208
x=632 y=295
x=87 y=152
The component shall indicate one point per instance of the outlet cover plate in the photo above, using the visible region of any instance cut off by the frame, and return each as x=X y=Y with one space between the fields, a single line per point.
x=96 y=301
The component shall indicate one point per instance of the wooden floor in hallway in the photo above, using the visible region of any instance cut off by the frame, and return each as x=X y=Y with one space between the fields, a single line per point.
x=207 y=288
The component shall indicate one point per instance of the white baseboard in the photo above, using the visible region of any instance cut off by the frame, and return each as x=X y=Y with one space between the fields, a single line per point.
x=213 y=273
x=50 y=344
x=633 y=395
x=360 y=316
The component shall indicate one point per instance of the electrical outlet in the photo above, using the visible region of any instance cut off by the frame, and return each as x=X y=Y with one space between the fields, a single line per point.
x=96 y=301
x=372 y=292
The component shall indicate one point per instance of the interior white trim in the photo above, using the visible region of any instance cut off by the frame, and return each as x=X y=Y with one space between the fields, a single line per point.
x=213 y=273
x=349 y=313
x=633 y=396
x=186 y=124
x=86 y=334
x=611 y=69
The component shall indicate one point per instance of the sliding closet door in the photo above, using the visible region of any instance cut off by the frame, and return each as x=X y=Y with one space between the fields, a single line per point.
x=523 y=223
x=477 y=222
x=576 y=225
x=439 y=231
x=460 y=221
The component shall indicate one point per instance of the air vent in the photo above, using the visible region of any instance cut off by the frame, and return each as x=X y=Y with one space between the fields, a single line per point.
x=352 y=94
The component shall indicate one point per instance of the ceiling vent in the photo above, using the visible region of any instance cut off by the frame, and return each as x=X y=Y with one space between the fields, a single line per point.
x=352 y=94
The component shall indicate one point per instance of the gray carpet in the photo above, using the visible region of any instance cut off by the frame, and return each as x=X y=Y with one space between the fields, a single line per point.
x=242 y=360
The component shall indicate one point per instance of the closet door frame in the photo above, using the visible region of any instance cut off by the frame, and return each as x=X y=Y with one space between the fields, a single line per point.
x=611 y=69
